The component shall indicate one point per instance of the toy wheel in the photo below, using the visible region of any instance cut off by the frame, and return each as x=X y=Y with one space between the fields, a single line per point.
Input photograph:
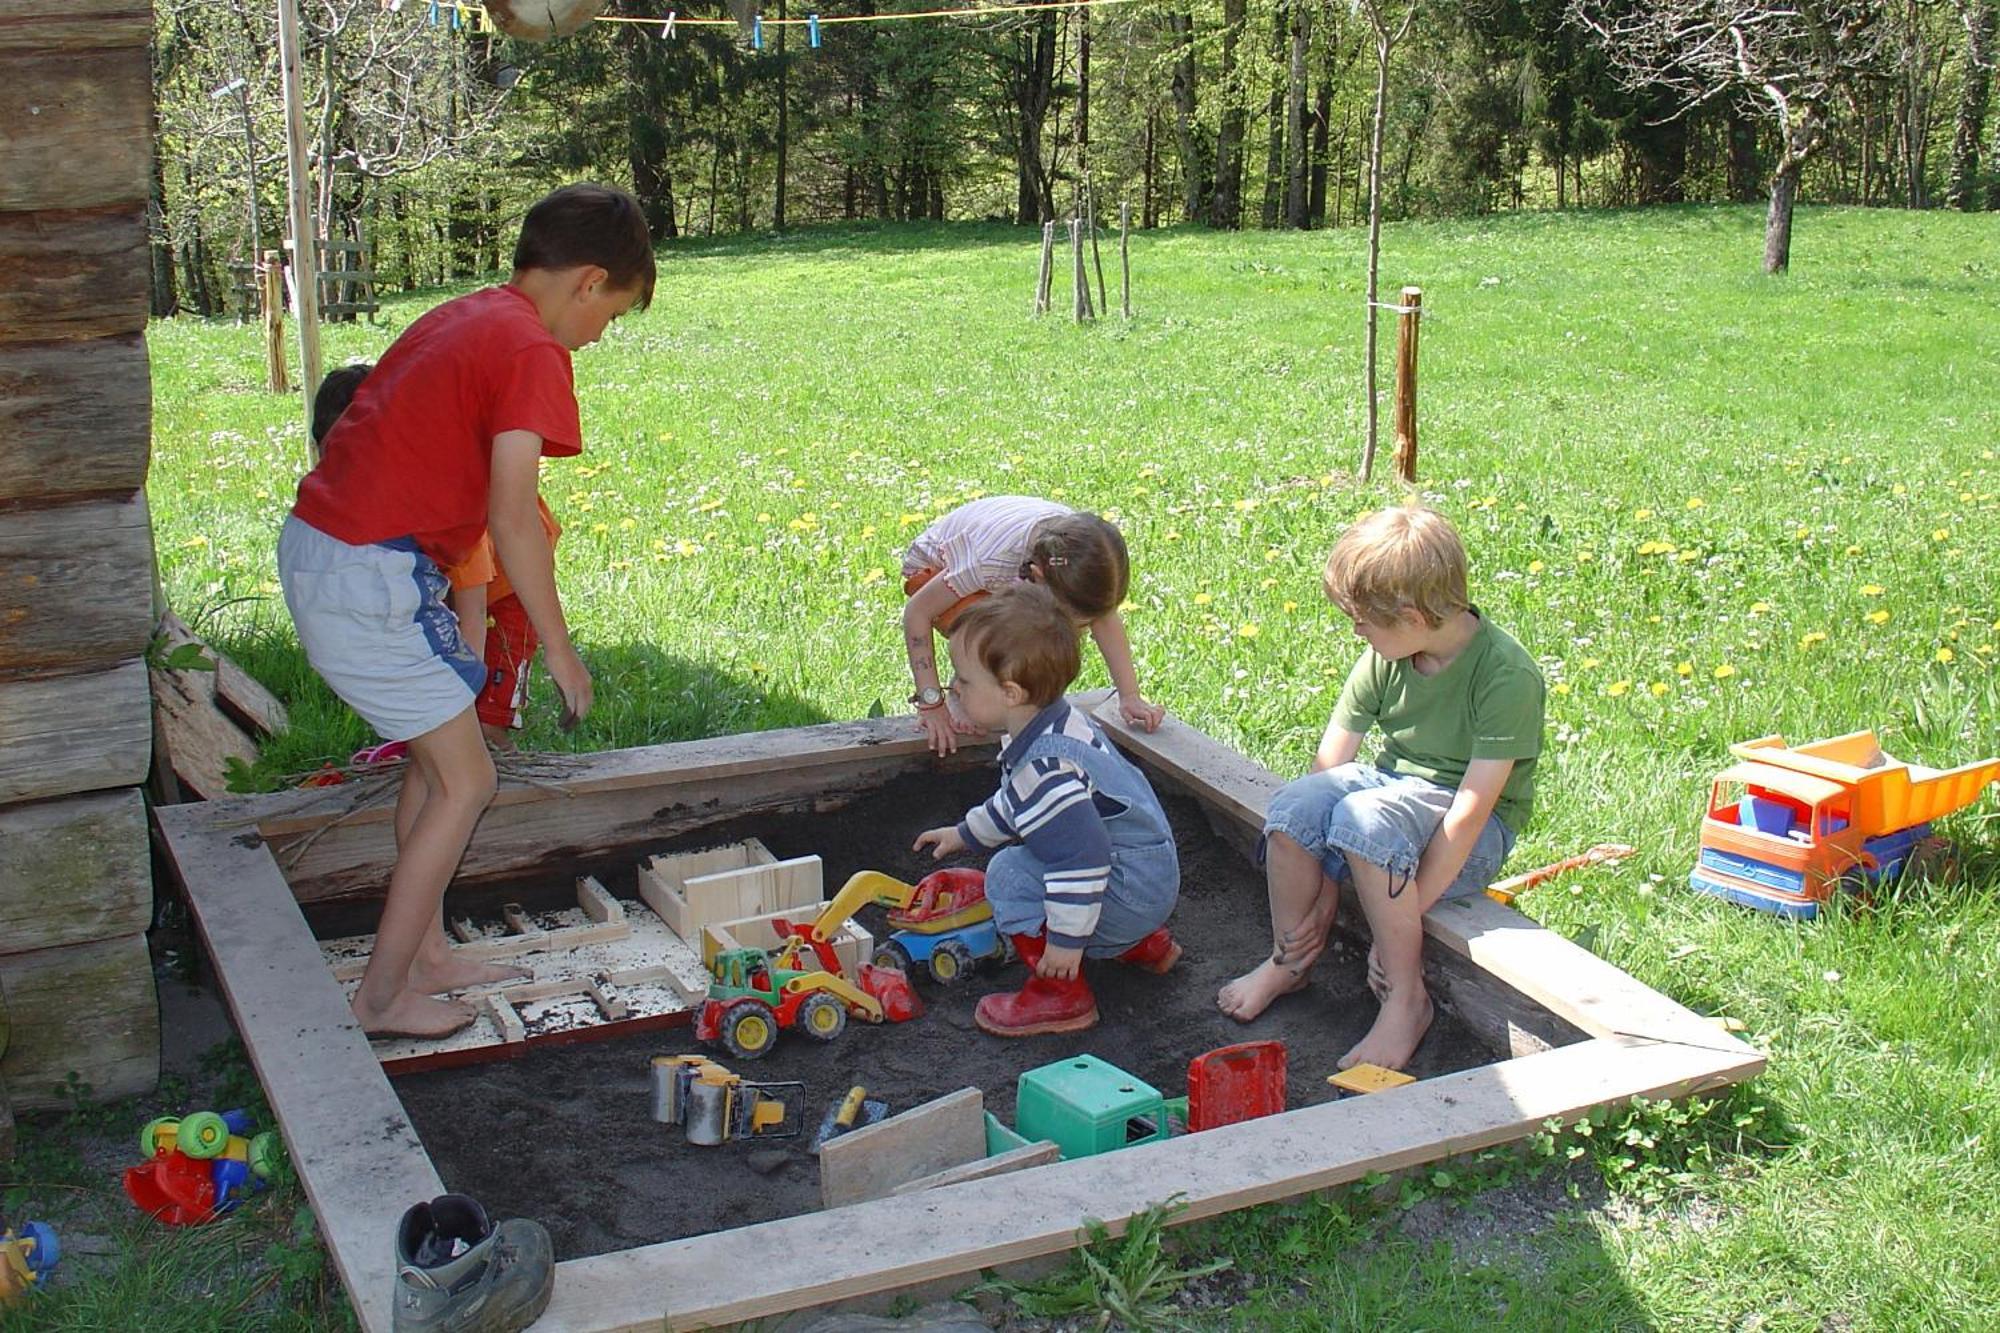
x=43 y=1250
x=951 y=963
x=822 y=1017
x=891 y=954
x=149 y=1137
x=265 y=1150
x=203 y=1135
x=749 y=1029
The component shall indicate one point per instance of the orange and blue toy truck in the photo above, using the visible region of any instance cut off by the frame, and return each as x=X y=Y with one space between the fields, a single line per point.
x=1790 y=826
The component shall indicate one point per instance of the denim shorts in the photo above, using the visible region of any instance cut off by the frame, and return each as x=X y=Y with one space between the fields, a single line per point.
x=374 y=625
x=1381 y=817
x=1145 y=885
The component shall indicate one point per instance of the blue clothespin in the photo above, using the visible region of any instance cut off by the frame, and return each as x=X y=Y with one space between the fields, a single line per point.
x=433 y=16
x=812 y=29
x=757 y=33
x=454 y=18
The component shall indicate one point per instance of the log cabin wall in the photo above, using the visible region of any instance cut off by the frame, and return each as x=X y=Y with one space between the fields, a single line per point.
x=76 y=556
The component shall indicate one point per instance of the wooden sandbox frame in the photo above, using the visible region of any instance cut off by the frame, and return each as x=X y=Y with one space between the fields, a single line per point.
x=1582 y=1034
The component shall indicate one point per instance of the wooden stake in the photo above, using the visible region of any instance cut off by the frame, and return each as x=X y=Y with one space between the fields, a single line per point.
x=1406 y=382
x=1048 y=264
x=273 y=276
x=305 y=253
x=1125 y=257
x=1096 y=255
x=1080 y=285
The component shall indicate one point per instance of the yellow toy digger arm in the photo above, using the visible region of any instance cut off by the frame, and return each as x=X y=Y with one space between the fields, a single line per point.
x=863 y=886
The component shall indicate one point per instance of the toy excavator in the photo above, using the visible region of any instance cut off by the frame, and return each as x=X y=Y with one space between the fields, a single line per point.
x=757 y=992
x=944 y=922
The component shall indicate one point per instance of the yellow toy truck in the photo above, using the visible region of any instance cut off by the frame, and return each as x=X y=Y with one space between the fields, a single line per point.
x=1789 y=826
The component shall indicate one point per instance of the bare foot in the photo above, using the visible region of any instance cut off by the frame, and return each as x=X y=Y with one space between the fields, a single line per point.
x=1398 y=1029
x=413 y=1015
x=1250 y=994
x=440 y=976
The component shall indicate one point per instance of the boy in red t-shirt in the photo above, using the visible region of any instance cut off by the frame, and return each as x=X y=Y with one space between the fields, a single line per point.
x=441 y=445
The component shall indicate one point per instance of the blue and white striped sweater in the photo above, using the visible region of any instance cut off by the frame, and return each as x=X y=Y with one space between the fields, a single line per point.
x=1049 y=805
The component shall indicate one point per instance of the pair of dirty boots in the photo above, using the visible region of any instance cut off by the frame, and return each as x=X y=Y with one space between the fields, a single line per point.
x=456 y=1272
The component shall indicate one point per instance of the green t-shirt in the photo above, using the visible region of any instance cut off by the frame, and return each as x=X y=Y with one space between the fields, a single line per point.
x=1485 y=704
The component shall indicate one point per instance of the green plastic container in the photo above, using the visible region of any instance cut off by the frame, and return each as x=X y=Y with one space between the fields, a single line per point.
x=1086 y=1106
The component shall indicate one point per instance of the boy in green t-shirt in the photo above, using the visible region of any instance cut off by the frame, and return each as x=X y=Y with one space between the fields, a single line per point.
x=1459 y=703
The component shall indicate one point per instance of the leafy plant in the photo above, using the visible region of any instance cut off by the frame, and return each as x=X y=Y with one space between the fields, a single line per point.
x=1129 y=1280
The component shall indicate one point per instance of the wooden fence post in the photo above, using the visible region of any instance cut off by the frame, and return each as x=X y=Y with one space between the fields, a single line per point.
x=1407 y=321
x=1080 y=283
x=1125 y=257
x=1096 y=255
x=273 y=285
x=1048 y=265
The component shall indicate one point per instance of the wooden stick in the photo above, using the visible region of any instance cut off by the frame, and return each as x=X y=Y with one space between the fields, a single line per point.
x=1096 y=255
x=1125 y=256
x=273 y=277
x=1048 y=264
x=1506 y=890
x=305 y=252
x=1406 y=383
x=1080 y=285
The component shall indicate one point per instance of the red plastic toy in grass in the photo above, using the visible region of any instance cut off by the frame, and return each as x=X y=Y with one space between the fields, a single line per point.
x=201 y=1167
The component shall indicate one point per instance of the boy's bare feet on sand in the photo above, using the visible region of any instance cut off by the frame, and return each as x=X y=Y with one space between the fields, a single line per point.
x=1398 y=1030
x=413 y=1015
x=453 y=972
x=1250 y=994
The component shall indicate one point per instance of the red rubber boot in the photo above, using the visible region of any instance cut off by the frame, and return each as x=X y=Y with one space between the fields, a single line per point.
x=1158 y=952
x=1040 y=1006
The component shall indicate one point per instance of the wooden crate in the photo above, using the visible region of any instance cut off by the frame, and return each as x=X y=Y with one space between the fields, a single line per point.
x=690 y=890
x=852 y=942
x=1581 y=1034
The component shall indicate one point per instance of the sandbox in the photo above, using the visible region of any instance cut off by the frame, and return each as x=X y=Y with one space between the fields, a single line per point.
x=650 y=1229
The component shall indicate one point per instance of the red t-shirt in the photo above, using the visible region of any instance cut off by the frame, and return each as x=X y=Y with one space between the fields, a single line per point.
x=412 y=456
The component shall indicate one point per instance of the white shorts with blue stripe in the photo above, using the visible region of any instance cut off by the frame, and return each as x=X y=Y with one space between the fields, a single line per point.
x=374 y=624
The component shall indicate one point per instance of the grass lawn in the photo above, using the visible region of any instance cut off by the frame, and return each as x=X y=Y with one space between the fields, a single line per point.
x=1713 y=504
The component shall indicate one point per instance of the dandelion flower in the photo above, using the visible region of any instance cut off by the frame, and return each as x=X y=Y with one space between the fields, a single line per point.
x=1249 y=630
x=1659 y=687
x=1725 y=671
x=1641 y=515
x=1291 y=605
x=1945 y=654
x=1695 y=502
x=1684 y=668
x=1872 y=590
x=1878 y=617
x=1591 y=664
x=1759 y=608
x=1536 y=566
x=1560 y=687
x=1940 y=534
x=1854 y=550
x=873 y=576
x=1801 y=532
x=1618 y=688
x=1812 y=637
x=1202 y=599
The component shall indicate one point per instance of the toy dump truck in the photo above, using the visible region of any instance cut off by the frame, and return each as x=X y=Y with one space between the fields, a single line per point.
x=944 y=922
x=1789 y=826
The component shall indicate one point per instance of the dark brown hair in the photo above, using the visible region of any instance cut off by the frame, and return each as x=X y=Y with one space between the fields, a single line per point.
x=336 y=391
x=1022 y=634
x=1081 y=559
x=590 y=224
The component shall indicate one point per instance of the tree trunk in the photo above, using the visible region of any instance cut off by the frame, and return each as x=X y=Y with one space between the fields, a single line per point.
x=1297 y=203
x=1383 y=47
x=784 y=124
x=1274 y=115
x=1970 y=127
x=1195 y=173
x=1226 y=206
x=1744 y=176
x=1033 y=76
x=646 y=133
x=1778 y=222
x=1322 y=118
x=1083 y=94
x=1149 y=214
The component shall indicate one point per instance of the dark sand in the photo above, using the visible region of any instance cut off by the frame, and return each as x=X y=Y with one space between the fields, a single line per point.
x=565 y=1135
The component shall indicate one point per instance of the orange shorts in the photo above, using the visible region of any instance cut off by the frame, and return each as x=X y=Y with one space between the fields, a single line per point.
x=913 y=583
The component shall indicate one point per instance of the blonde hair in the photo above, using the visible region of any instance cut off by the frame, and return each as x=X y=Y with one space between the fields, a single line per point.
x=1022 y=634
x=1406 y=556
x=1081 y=559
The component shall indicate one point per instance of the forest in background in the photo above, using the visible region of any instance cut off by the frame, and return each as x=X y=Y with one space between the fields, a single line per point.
x=428 y=133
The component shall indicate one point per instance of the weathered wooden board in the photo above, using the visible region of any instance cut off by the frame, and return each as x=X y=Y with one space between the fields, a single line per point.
x=63 y=734
x=87 y=1009
x=75 y=127
x=355 y=1149
x=614 y=804
x=196 y=739
x=73 y=273
x=74 y=870
x=73 y=25
x=999 y=1164
x=75 y=419
x=869 y=1163
x=245 y=699
x=76 y=585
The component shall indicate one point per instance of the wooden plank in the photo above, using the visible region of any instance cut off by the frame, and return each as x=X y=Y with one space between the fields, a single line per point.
x=79 y=127
x=1000 y=1164
x=75 y=419
x=194 y=738
x=76 y=585
x=74 y=25
x=74 y=733
x=663 y=882
x=73 y=273
x=86 y=1009
x=246 y=701
x=798 y=1262
x=597 y=902
x=614 y=804
x=869 y=1163
x=74 y=870
x=797 y=885
x=355 y=1149
x=493 y=948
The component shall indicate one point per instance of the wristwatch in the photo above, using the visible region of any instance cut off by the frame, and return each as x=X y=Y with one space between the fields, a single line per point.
x=930 y=696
